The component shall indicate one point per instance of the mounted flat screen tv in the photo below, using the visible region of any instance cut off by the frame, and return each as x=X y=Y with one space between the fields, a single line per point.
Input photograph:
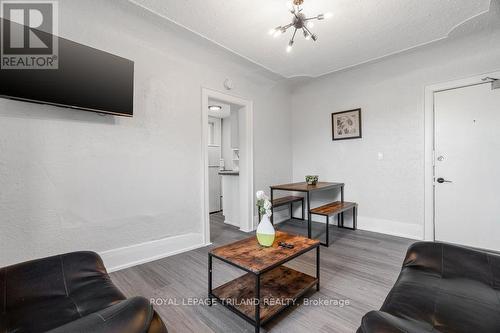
x=86 y=79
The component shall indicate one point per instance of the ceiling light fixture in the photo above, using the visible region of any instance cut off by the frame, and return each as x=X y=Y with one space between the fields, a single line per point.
x=299 y=21
x=215 y=107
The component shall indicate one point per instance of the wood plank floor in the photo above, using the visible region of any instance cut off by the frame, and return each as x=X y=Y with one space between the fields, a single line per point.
x=359 y=267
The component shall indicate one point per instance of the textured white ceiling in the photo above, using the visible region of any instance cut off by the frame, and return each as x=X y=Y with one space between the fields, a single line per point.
x=358 y=32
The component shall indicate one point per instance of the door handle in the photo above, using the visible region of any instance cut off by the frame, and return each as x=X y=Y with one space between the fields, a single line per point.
x=442 y=180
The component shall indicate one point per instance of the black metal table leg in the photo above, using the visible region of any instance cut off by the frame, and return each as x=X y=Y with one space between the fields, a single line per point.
x=327 y=231
x=272 y=208
x=257 y=303
x=291 y=210
x=317 y=268
x=303 y=210
x=354 y=217
x=308 y=215
x=209 y=279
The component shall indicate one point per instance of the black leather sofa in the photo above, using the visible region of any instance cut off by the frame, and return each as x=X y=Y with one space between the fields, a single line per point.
x=441 y=288
x=70 y=293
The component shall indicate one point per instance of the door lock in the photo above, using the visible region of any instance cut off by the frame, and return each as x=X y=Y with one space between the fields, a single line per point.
x=442 y=180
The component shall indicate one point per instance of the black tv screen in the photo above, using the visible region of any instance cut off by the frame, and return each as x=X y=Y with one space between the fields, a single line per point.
x=86 y=79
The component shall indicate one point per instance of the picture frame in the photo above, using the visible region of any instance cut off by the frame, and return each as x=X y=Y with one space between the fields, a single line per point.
x=346 y=125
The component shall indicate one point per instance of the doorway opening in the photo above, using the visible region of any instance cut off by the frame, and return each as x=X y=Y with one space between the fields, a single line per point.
x=227 y=160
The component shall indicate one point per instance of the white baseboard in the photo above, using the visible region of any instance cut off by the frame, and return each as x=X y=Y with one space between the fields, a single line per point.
x=226 y=221
x=137 y=254
x=247 y=230
x=381 y=226
x=394 y=228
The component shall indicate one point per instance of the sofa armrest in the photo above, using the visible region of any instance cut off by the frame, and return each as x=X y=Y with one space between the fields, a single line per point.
x=57 y=276
x=157 y=325
x=383 y=322
x=455 y=261
x=133 y=315
x=425 y=255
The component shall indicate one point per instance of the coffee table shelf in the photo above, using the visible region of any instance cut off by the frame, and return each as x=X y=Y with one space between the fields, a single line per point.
x=278 y=289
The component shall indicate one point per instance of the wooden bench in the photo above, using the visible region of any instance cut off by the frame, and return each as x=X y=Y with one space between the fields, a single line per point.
x=337 y=208
x=289 y=200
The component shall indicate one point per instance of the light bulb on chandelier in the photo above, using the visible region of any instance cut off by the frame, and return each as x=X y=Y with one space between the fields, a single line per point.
x=307 y=35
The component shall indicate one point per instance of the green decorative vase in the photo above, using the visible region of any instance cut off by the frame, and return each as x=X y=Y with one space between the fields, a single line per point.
x=265 y=232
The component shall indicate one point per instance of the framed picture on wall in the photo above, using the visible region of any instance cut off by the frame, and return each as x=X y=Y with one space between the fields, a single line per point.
x=346 y=125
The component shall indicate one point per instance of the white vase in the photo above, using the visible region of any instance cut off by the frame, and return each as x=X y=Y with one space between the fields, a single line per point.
x=265 y=232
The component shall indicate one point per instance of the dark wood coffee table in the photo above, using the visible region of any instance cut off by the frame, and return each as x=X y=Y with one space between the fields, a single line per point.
x=269 y=287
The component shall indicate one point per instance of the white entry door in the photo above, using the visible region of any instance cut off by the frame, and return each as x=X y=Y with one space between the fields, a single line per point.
x=467 y=166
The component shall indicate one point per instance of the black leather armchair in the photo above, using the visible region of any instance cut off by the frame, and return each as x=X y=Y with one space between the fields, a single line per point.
x=441 y=288
x=70 y=293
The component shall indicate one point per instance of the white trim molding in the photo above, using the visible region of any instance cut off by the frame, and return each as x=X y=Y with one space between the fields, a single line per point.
x=247 y=223
x=429 y=158
x=137 y=254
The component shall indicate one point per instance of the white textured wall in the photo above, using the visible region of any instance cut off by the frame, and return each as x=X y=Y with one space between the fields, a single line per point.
x=227 y=153
x=72 y=180
x=391 y=93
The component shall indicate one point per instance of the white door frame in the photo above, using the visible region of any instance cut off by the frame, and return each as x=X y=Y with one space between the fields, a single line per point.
x=246 y=186
x=430 y=133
